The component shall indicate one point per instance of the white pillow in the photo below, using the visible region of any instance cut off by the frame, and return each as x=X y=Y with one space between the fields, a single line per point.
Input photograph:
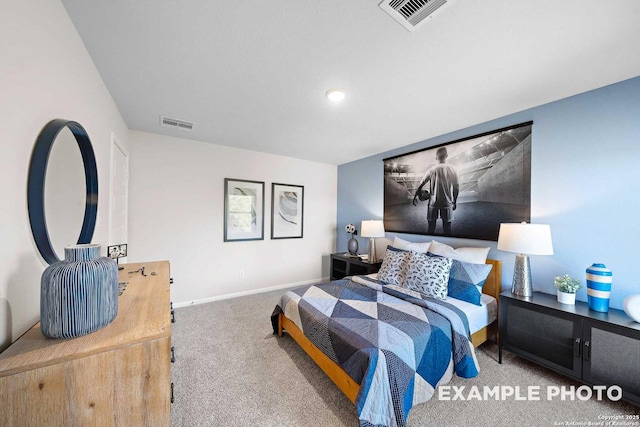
x=421 y=248
x=472 y=255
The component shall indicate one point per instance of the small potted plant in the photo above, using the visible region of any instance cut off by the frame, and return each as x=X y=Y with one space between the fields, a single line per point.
x=567 y=287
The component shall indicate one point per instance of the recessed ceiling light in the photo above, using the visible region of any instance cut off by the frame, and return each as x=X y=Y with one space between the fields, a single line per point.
x=335 y=95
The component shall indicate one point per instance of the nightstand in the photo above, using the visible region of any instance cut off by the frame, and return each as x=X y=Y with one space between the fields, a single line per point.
x=344 y=265
x=589 y=346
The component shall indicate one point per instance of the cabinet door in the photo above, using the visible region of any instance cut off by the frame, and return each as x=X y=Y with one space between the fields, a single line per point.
x=612 y=357
x=128 y=386
x=338 y=268
x=545 y=336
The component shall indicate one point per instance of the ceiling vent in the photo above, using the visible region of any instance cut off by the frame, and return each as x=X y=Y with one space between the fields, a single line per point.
x=175 y=123
x=411 y=13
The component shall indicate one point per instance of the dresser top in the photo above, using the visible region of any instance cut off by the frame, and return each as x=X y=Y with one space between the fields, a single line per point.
x=143 y=315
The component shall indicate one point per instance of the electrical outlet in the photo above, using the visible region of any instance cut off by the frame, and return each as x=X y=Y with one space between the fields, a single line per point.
x=242 y=274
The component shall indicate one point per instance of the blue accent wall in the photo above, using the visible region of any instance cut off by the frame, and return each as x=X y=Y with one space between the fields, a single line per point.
x=585 y=183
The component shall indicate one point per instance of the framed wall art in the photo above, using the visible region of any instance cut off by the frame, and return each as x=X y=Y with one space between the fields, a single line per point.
x=287 y=207
x=116 y=252
x=463 y=188
x=243 y=210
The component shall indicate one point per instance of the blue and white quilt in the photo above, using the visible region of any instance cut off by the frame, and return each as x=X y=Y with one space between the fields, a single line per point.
x=398 y=344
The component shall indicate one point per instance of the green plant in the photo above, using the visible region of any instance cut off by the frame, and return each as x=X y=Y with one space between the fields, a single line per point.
x=567 y=284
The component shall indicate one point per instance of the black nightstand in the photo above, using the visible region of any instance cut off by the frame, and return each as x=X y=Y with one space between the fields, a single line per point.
x=589 y=346
x=344 y=265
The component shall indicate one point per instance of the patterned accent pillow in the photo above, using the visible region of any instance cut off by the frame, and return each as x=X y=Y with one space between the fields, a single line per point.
x=466 y=281
x=428 y=275
x=394 y=266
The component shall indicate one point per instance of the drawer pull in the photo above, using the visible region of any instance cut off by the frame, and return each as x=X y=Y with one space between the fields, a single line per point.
x=171 y=280
x=576 y=347
x=173 y=316
x=587 y=350
x=173 y=354
x=172 y=393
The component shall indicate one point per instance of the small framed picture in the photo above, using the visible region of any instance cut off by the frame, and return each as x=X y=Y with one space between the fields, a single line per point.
x=287 y=206
x=243 y=210
x=117 y=251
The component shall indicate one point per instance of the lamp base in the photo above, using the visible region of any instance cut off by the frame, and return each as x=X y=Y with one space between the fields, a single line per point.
x=372 y=250
x=521 y=284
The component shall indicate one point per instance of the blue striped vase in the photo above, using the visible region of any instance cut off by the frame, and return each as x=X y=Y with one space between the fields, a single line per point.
x=78 y=295
x=599 y=287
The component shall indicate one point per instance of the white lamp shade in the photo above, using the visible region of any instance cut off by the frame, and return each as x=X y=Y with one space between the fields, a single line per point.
x=523 y=238
x=372 y=228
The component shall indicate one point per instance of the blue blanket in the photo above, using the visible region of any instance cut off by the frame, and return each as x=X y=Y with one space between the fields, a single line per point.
x=399 y=345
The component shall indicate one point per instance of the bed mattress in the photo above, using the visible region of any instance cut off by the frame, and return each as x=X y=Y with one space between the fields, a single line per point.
x=479 y=316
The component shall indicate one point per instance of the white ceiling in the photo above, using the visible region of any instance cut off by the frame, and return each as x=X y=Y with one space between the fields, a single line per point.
x=253 y=74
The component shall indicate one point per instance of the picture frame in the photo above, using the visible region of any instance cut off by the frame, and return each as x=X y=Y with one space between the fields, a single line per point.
x=463 y=188
x=243 y=210
x=287 y=211
x=117 y=251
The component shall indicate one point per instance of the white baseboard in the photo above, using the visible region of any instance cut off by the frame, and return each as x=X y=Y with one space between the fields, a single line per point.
x=251 y=292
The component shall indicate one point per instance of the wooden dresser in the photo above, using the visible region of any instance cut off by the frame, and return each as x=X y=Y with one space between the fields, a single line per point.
x=117 y=376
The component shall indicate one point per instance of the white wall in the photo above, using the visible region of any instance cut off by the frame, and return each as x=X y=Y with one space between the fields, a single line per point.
x=45 y=73
x=176 y=213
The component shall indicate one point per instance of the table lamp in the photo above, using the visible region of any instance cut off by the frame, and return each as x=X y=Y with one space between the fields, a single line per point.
x=524 y=239
x=372 y=229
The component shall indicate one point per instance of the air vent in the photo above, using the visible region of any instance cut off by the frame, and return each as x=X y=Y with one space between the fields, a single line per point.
x=411 y=13
x=175 y=123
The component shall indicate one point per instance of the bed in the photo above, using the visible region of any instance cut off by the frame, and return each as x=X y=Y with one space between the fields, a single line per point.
x=364 y=370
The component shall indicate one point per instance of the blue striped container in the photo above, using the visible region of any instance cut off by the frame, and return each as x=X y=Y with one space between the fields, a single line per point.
x=599 y=287
x=78 y=295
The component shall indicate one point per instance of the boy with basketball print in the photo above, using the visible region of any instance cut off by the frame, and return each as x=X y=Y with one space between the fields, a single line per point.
x=442 y=193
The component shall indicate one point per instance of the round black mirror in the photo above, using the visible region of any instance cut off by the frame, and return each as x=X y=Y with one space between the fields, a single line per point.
x=36 y=185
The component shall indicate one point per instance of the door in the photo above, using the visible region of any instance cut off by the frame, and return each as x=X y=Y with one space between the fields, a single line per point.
x=118 y=197
x=546 y=336
x=612 y=357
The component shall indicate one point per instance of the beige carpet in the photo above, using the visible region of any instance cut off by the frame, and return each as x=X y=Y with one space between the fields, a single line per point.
x=231 y=370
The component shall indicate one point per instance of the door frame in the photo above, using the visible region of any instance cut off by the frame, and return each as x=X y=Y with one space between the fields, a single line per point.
x=117 y=145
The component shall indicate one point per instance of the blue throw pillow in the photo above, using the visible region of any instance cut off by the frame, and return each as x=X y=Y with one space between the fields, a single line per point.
x=466 y=281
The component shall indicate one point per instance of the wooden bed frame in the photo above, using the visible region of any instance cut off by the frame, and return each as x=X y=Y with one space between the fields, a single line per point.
x=493 y=287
